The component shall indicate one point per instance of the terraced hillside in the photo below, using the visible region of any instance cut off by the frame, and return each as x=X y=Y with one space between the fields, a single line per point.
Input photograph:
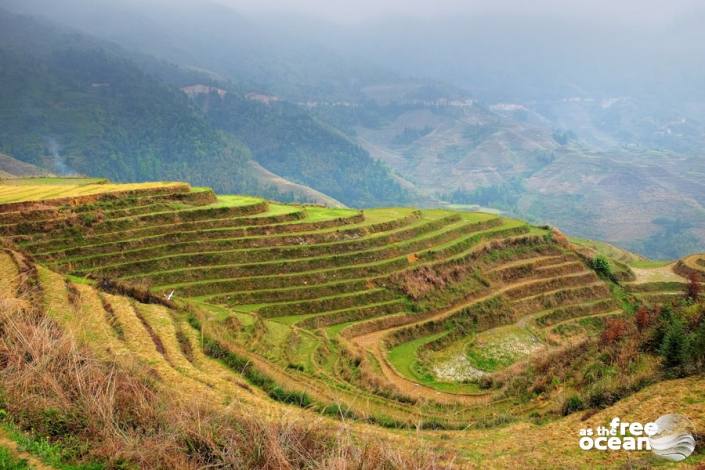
x=390 y=315
x=400 y=318
x=665 y=283
x=15 y=191
x=693 y=265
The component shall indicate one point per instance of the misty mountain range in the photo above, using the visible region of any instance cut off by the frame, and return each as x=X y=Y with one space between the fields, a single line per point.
x=599 y=139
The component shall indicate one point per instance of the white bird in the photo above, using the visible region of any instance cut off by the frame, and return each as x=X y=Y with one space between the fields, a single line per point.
x=171 y=294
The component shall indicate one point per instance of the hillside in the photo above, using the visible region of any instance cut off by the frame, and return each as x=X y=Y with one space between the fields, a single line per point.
x=74 y=104
x=286 y=140
x=547 y=164
x=272 y=57
x=9 y=167
x=416 y=328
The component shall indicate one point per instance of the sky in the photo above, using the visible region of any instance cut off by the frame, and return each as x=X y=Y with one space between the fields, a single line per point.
x=647 y=12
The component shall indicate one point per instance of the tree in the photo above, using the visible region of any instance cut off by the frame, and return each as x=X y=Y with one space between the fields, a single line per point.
x=674 y=345
x=697 y=348
x=663 y=316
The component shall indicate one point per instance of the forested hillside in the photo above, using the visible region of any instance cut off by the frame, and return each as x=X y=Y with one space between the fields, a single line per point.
x=289 y=142
x=74 y=104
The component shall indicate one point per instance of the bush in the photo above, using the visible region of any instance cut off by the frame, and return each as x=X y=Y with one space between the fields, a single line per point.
x=485 y=382
x=601 y=266
x=572 y=404
x=642 y=318
x=697 y=347
x=615 y=329
x=599 y=397
x=692 y=290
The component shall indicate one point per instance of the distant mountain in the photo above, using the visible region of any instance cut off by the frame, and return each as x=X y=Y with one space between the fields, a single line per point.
x=71 y=103
x=567 y=164
x=626 y=121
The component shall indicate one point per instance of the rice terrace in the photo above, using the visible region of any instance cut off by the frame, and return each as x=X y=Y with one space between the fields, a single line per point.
x=411 y=329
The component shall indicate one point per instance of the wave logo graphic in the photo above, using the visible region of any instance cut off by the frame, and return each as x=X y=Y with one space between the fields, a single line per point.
x=674 y=439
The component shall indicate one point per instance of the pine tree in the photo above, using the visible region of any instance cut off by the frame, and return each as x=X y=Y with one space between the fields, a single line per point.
x=664 y=317
x=674 y=345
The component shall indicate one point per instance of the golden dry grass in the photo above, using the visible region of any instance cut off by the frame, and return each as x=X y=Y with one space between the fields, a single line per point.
x=8 y=277
x=12 y=192
x=555 y=445
x=162 y=324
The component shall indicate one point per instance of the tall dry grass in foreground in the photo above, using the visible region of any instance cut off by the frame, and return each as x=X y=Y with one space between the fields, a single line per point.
x=120 y=414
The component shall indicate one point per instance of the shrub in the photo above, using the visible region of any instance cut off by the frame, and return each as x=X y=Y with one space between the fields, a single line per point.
x=600 y=397
x=601 y=266
x=692 y=289
x=697 y=346
x=485 y=382
x=642 y=318
x=615 y=329
x=663 y=317
x=572 y=404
